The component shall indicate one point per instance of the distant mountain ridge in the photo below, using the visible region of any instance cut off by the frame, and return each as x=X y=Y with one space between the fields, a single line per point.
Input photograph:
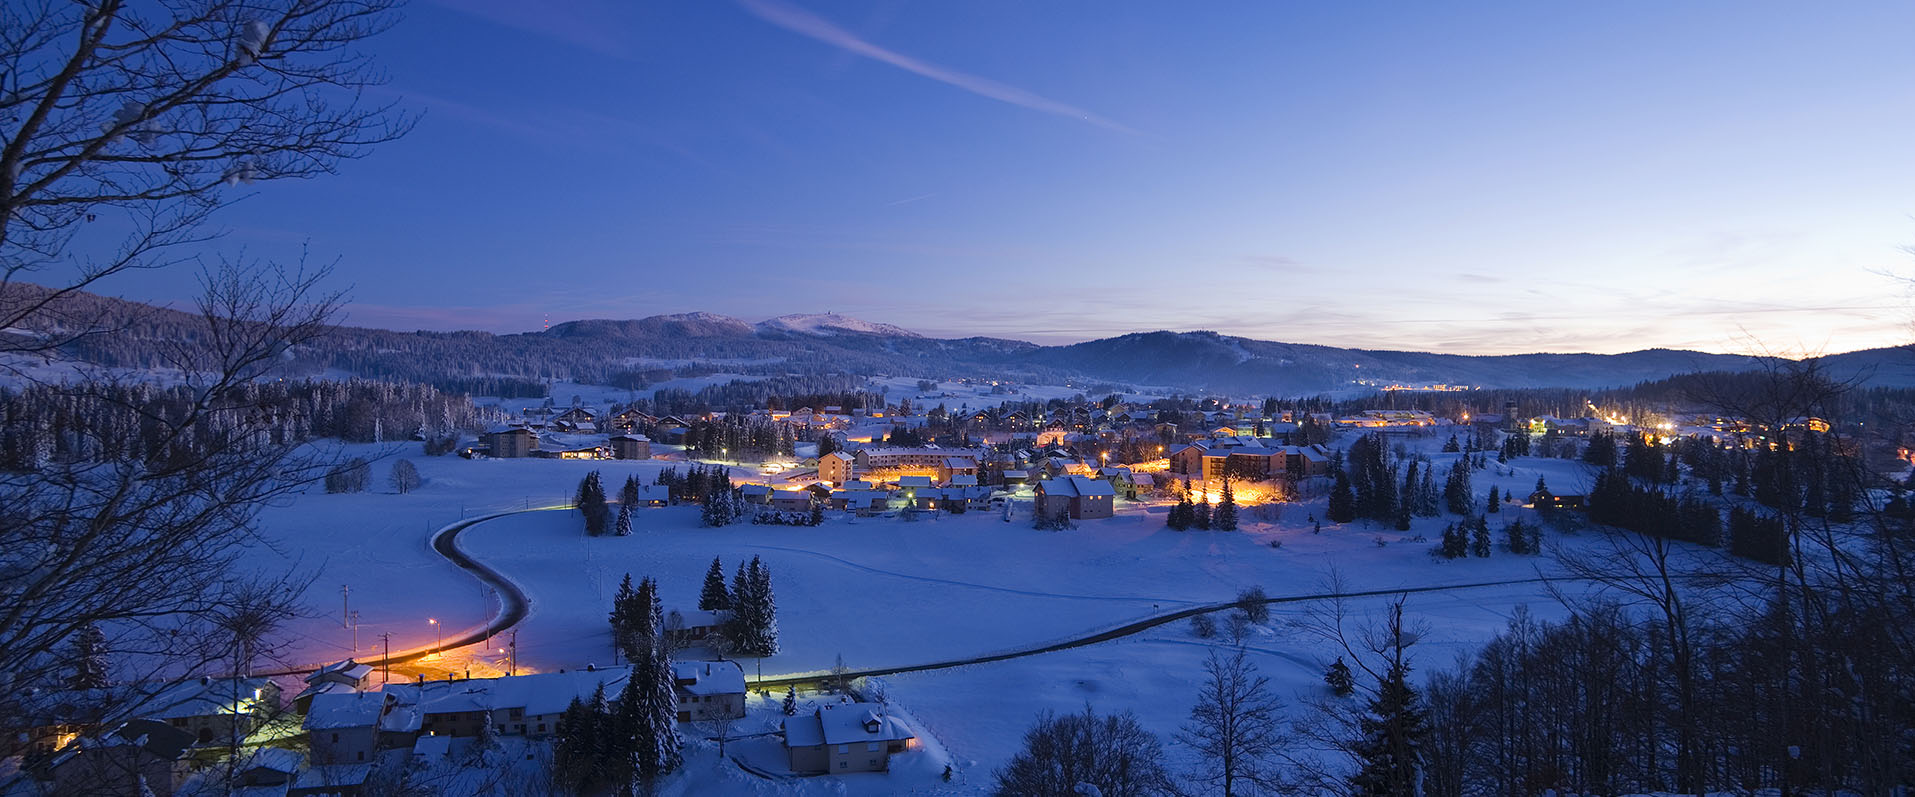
x=599 y=350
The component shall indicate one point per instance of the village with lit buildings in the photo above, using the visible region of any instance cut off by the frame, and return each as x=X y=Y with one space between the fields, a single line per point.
x=1076 y=461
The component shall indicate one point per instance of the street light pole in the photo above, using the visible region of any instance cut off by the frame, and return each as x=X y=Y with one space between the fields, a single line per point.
x=434 y=622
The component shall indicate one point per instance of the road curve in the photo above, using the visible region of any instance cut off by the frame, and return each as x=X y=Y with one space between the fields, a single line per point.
x=514 y=605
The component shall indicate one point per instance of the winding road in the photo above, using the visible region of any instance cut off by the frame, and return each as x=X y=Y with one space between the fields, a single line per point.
x=514 y=605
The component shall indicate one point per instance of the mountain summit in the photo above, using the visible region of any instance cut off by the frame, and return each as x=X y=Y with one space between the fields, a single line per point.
x=831 y=324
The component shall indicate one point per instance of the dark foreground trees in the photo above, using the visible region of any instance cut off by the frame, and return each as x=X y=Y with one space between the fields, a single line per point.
x=133 y=123
x=1111 y=752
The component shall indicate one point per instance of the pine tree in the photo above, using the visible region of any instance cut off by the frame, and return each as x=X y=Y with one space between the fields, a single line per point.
x=1495 y=498
x=1455 y=542
x=591 y=503
x=625 y=619
x=628 y=495
x=791 y=701
x=714 y=597
x=1201 y=517
x=1342 y=501
x=1181 y=514
x=89 y=659
x=1339 y=679
x=1389 y=748
x=1479 y=538
x=623 y=527
x=1456 y=491
x=767 y=612
x=1225 y=518
x=571 y=756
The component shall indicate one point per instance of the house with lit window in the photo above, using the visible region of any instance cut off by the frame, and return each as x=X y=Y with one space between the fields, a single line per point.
x=845 y=737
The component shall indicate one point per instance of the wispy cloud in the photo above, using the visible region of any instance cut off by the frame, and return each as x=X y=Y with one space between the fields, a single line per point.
x=580 y=25
x=805 y=23
x=909 y=200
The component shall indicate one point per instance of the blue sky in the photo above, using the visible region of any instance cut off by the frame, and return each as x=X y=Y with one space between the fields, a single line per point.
x=1467 y=177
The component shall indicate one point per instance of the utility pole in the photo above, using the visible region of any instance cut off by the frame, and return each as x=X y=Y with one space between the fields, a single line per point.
x=386 y=663
x=345 y=605
x=512 y=659
x=354 y=617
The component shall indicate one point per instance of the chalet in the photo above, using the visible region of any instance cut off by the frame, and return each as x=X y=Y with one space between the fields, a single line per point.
x=345 y=728
x=344 y=677
x=632 y=420
x=510 y=442
x=577 y=420
x=757 y=494
x=631 y=446
x=654 y=495
x=845 y=737
x=709 y=690
x=835 y=467
x=1081 y=497
x=958 y=465
x=792 y=500
x=863 y=502
x=684 y=629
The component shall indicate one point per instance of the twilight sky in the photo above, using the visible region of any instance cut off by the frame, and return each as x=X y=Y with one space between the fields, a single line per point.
x=1472 y=177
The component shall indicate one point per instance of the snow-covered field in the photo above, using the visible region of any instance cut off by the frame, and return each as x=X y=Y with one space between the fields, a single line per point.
x=887 y=592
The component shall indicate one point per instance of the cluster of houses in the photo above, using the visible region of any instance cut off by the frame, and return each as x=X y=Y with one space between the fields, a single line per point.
x=1247 y=458
x=328 y=739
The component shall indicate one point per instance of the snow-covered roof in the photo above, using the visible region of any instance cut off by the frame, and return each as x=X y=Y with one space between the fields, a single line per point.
x=348 y=710
x=709 y=677
x=507 y=430
x=635 y=438
x=963 y=480
x=845 y=723
x=541 y=693
x=1078 y=487
x=914 y=481
x=348 y=669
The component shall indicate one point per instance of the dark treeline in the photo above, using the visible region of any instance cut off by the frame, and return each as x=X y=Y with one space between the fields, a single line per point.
x=785 y=391
x=96 y=422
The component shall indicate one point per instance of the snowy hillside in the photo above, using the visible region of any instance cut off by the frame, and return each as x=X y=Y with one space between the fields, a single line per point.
x=832 y=324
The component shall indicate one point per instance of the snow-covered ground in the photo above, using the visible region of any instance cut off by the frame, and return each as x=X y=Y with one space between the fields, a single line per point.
x=887 y=592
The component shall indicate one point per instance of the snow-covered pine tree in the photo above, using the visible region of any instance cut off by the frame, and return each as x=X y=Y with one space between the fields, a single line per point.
x=89 y=659
x=714 y=597
x=623 y=527
x=649 y=704
x=624 y=603
x=767 y=613
x=628 y=495
x=791 y=701
x=1201 y=518
x=1479 y=538
x=1225 y=517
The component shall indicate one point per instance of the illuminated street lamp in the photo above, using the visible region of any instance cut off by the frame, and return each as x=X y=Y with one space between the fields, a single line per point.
x=434 y=622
